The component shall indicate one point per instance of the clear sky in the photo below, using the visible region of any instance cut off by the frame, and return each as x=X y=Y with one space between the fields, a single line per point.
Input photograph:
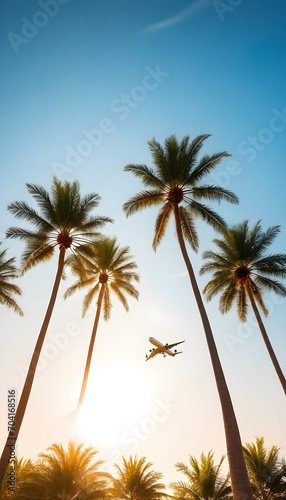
x=84 y=86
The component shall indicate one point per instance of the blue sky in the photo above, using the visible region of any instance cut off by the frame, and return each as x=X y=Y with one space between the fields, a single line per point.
x=85 y=85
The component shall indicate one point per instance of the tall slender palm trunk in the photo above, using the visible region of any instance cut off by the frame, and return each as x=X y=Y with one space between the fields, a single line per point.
x=90 y=350
x=238 y=473
x=22 y=405
x=267 y=341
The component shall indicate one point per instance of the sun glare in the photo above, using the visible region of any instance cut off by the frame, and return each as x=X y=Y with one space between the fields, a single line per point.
x=115 y=397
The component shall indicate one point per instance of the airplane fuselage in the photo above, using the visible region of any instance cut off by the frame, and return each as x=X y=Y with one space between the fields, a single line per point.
x=162 y=347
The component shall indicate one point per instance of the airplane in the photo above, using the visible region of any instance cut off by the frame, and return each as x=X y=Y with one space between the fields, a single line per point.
x=162 y=348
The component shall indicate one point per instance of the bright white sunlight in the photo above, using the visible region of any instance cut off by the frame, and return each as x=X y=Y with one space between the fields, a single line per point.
x=115 y=397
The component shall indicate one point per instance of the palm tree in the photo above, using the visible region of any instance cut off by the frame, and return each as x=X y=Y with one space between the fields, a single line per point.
x=135 y=481
x=267 y=473
x=64 y=222
x=66 y=475
x=22 y=469
x=109 y=270
x=8 y=272
x=241 y=271
x=173 y=185
x=204 y=480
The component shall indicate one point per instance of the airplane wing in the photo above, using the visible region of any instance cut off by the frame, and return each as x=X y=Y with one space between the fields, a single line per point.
x=170 y=346
x=154 y=352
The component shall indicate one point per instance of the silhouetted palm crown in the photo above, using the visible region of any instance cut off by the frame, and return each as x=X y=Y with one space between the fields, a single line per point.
x=204 y=480
x=241 y=269
x=64 y=221
x=266 y=471
x=23 y=469
x=70 y=474
x=8 y=272
x=135 y=481
x=109 y=267
x=173 y=183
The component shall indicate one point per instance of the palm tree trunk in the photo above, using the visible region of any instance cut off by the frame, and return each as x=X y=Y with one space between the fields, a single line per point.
x=90 y=350
x=22 y=405
x=238 y=473
x=267 y=341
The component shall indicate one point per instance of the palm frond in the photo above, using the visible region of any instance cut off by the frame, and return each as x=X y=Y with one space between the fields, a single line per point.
x=89 y=297
x=213 y=265
x=107 y=303
x=270 y=284
x=66 y=202
x=264 y=240
x=25 y=235
x=7 y=300
x=214 y=286
x=42 y=198
x=85 y=250
x=208 y=215
x=182 y=491
x=161 y=224
x=273 y=265
x=78 y=285
x=229 y=246
x=192 y=154
x=35 y=254
x=256 y=292
x=7 y=266
x=267 y=473
x=120 y=295
x=204 y=480
x=228 y=296
x=80 y=265
x=146 y=175
x=241 y=303
x=214 y=193
x=9 y=287
x=162 y=167
x=124 y=268
x=73 y=473
x=88 y=203
x=143 y=200
x=217 y=261
x=21 y=210
x=93 y=223
x=123 y=285
x=173 y=156
x=206 y=165
x=135 y=479
x=188 y=228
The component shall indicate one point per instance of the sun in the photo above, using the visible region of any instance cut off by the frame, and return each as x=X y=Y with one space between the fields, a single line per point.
x=115 y=397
